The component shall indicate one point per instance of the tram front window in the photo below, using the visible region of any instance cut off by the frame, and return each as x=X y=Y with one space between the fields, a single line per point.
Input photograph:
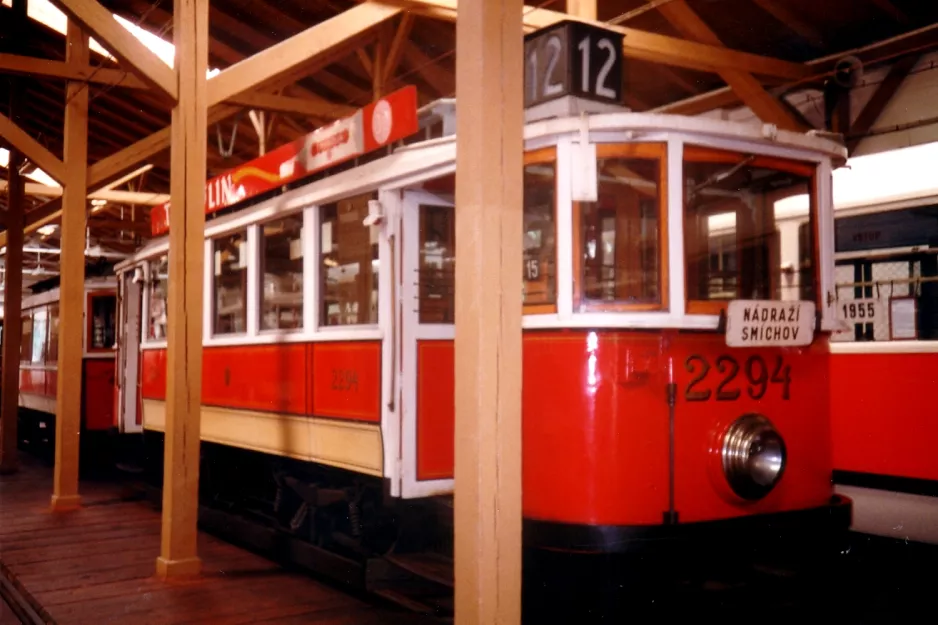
x=620 y=238
x=731 y=242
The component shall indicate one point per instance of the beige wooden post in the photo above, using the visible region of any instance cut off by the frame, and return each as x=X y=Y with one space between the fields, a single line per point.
x=489 y=168
x=72 y=271
x=178 y=552
x=582 y=8
x=13 y=280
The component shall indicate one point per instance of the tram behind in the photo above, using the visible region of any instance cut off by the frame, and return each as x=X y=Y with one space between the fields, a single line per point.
x=673 y=387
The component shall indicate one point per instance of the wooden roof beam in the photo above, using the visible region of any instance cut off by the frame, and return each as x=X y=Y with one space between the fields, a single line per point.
x=28 y=65
x=333 y=38
x=784 y=14
x=311 y=106
x=880 y=98
x=915 y=42
x=398 y=44
x=764 y=105
x=131 y=52
x=582 y=8
x=638 y=44
x=32 y=149
x=442 y=81
x=120 y=197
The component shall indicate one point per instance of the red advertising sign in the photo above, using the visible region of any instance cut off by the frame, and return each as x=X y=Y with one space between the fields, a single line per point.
x=385 y=121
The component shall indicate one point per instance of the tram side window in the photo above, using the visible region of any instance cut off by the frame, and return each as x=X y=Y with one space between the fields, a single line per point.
x=103 y=322
x=230 y=258
x=40 y=330
x=158 y=285
x=348 y=264
x=282 y=273
x=540 y=243
x=732 y=246
x=26 y=340
x=437 y=264
x=52 y=351
x=620 y=234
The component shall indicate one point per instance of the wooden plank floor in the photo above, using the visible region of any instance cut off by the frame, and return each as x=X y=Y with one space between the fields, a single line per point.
x=97 y=565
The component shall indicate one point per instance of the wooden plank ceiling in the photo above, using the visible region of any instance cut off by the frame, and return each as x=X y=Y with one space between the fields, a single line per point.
x=792 y=30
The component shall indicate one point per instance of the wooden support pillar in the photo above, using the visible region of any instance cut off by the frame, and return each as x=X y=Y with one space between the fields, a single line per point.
x=13 y=270
x=489 y=196
x=178 y=552
x=12 y=310
x=72 y=271
x=582 y=8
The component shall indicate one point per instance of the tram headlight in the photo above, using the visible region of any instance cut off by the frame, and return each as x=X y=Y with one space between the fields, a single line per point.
x=753 y=456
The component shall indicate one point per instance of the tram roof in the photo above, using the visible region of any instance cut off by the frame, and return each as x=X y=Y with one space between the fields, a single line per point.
x=797 y=31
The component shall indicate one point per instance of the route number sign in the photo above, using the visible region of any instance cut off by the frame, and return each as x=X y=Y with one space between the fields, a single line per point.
x=571 y=58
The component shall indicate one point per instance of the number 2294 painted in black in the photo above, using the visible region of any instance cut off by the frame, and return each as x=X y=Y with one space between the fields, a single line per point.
x=755 y=370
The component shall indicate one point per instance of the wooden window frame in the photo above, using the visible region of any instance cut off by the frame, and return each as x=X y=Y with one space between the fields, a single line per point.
x=702 y=154
x=652 y=151
x=537 y=157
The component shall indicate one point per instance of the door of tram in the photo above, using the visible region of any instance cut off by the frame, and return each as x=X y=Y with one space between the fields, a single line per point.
x=128 y=354
x=428 y=333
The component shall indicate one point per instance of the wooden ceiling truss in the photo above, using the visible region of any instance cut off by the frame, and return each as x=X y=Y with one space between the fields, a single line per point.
x=298 y=65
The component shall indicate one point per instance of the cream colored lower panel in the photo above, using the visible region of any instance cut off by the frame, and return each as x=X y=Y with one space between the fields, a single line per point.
x=40 y=403
x=344 y=444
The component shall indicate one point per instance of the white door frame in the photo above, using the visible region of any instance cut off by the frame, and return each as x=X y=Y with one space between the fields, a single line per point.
x=128 y=357
x=412 y=331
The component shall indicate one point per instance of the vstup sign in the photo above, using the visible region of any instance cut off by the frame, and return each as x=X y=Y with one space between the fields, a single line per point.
x=389 y=119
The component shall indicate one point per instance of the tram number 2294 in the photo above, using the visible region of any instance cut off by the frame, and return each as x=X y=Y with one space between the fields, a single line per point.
x=755 y=370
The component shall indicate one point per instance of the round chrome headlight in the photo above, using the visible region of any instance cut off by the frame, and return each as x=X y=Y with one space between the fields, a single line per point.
x=753 y=456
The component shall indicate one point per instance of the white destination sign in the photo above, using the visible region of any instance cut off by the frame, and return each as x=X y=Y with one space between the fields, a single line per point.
x=758 y=323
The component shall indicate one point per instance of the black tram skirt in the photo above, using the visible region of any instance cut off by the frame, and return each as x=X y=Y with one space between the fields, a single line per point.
x=810 y=528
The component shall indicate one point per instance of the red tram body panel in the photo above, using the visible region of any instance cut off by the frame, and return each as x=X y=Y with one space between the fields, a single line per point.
x=884 y=418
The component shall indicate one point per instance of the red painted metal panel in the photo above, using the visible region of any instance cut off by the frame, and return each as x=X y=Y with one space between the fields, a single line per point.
x=99 y=394
x=153 y=374
x=435 y=409
x=595 y=428
x=346 y=380
x=596 y=425
x=33 y=381
x=884 y=416
x=52 y=381
x=268 y=378
x=737 y=382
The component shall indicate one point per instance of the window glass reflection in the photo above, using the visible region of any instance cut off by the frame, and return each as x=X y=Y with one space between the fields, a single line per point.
x=281 y=272
x=230 y=257
x=349 y=264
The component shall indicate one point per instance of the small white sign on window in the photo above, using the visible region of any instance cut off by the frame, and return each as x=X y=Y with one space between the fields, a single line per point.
x=327 y=237
x=903 y=315
x=767 y=323
x=296 y=248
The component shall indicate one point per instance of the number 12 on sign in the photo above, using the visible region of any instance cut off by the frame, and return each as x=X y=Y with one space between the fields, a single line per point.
x=573 y=59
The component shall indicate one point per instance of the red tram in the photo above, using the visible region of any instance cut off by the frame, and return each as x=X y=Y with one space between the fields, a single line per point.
x=38 y=377
x=658 y=398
